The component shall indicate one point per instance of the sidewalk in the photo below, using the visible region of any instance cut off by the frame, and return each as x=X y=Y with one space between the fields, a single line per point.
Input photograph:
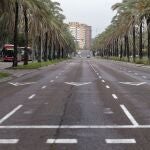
x=4 y=65
x=15 y=73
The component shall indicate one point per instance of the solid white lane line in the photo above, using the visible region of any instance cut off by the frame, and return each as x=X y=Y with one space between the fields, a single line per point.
x=10 y=114
x=103 y=81
x=108 y=87
x=9 y=141
x=73 y=127
x=76 y=127
x=114 y=96
x=52 y=81
x=62 y=141
x=44 y=87
x=136 y=73
x=32 y=96
x=120 y=141
x=129 y=115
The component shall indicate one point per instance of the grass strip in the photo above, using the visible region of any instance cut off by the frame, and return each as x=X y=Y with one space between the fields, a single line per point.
x=36 y=65
x=4 y=75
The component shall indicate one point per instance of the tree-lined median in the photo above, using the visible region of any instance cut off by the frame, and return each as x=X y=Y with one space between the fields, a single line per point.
x=36 y=65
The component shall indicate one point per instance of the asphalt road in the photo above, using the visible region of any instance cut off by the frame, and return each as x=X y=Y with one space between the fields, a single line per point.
x=82 y=104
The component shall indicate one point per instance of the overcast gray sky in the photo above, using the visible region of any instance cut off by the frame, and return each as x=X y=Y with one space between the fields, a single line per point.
x=96 y=13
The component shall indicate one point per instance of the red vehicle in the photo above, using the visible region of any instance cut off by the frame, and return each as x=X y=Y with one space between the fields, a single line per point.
x=8 y=53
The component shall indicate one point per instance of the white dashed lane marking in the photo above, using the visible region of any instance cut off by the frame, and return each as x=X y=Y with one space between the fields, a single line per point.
x=52 y=81
x=9 y=141
x=32 y=96
x=10 y=114
x=44 y=87
x=114 y=96
x=100 y=77
x=120 y=141
x=108 y=87
x=62 y=141
x=103 y=81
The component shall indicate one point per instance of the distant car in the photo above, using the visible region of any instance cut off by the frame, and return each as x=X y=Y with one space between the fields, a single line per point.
x=88 y=56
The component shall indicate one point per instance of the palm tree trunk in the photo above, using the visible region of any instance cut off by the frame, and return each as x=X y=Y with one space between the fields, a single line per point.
x=113 y=47
x=54 y=50
x=15 y=60
x=134 y=48
x=121 y=50
x=62 y=52
x=58 y=51
x=50 y=47
x=117 y=49
x=26 y=37
x=39 y=49
x=125 y=47
x=148 y=30
x=140 y=42
x=45 y=49
x=127 y=44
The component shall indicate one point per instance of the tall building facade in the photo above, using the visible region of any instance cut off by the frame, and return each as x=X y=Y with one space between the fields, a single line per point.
x=82 y=34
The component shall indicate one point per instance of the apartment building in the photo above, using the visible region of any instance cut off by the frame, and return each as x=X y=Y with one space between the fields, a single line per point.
x=82 y=34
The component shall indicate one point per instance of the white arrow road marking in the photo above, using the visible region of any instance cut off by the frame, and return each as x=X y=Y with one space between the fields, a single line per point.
x=9 y=141
x=10 y=114
x=62 y=141
x=78 y=83
x=120 y=141
x=133 y=83
x=20 y=84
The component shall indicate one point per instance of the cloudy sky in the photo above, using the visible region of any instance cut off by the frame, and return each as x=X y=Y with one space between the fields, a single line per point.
x=96 y=13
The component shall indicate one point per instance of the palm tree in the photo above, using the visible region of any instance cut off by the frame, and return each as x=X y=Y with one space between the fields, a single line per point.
x=15 y=61
x=42 y=22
